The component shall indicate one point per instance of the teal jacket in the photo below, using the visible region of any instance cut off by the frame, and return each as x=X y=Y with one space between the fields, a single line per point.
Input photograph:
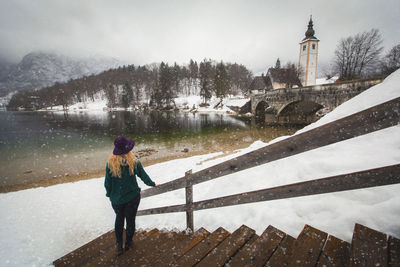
x=122 y=190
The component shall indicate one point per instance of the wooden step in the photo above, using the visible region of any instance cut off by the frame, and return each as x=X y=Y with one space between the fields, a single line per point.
x=308 y=247
x=335 y=253
x=257 y=251
x=91 y=249
x=283 y=253
x=224 y=251
x=394 y=251
x=109 y=257
x=241 y=248
x=181 y=248
x=368 y=247
x=141 y=250
x=148 y=258
x=197 y=253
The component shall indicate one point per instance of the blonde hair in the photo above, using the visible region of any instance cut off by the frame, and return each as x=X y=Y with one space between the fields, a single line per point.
x=116 y=161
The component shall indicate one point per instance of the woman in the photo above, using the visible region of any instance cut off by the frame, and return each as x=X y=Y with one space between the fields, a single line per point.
x=122 y=188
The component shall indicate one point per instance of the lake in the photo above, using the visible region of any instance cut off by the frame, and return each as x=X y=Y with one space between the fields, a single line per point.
x=39 y=145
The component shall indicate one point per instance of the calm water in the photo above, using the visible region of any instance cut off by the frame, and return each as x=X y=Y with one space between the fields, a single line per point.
x=37 y=145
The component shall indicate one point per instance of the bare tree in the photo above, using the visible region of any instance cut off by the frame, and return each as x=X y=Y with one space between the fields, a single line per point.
x=357 y=56
x=391 y=61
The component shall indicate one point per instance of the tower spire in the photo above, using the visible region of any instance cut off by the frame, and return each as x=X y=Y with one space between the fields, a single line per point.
x=310 y=30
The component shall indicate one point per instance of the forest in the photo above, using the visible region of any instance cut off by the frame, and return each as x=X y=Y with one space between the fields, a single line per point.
x=154 y=85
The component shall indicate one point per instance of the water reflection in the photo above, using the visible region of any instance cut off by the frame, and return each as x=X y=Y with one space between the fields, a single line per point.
x=47 y=144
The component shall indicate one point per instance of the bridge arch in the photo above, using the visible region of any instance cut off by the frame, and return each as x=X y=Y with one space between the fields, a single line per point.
x=259 y=111
x=299 y=112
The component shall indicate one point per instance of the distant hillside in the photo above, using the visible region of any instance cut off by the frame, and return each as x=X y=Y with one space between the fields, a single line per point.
x=38 y=70
x=5 y=69
x=139 y=86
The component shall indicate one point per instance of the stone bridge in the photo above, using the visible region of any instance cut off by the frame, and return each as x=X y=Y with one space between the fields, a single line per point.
x=304 y=105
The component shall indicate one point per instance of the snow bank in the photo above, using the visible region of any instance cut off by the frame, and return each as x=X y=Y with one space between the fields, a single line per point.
x=320 y=81
x=40 y=225
x=195 y=102
x=97 y=102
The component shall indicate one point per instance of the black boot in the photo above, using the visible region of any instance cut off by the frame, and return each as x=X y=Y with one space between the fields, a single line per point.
x=128 y=246
x=119 y=249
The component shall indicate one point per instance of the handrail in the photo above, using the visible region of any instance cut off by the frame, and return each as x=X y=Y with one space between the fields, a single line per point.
x=357 y=180
x=372 y=119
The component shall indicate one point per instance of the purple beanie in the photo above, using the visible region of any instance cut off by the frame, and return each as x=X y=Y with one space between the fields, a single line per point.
x=122 y=145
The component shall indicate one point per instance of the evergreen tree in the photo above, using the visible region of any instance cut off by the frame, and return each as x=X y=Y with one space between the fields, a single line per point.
x=194 y=73
x=176 y=78
x=165 y=84
x=240 y=78
x=221 y=81
x=205 y=72
x=110 y=94
x=127 y=95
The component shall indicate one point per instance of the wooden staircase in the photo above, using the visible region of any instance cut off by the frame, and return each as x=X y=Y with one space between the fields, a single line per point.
x=243 y=247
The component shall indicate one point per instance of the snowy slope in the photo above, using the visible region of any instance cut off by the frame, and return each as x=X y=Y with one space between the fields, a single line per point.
x=40 y=225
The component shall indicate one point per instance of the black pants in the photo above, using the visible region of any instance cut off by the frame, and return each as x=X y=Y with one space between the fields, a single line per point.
x=128 y=211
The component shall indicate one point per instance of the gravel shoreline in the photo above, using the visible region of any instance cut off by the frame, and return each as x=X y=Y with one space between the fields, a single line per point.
x=146 y=160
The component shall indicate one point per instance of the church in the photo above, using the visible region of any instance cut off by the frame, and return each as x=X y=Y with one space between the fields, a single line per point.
x=305 y=75
x=308 y=57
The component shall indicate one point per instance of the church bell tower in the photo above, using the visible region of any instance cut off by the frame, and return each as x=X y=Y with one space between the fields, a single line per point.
x=308 y=57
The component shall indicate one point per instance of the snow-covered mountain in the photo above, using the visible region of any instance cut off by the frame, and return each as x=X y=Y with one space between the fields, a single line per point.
x=39 y=69
x=5 y=68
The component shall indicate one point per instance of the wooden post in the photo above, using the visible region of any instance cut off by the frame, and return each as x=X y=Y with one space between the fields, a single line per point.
x=189 y=202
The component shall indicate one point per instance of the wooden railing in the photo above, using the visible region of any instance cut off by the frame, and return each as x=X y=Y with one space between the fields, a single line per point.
x=373 y=119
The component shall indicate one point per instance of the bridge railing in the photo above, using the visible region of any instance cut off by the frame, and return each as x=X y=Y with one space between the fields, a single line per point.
x=373 y=119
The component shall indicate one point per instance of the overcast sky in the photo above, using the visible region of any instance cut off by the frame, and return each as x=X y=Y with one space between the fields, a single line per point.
x=251 y=32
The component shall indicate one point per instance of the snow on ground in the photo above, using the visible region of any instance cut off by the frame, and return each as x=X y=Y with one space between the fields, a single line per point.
x=325 y=80
x=195 y=102
x=40 y=225
x=99 y=102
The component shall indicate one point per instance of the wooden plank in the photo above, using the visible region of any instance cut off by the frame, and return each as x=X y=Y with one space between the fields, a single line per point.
x=109 y=257
x=283 y=253
x=224 y=251
x=189 y=203
x=308 y=247
x=99 y=247
x=364 y=179
x=167 y=246
x=197 y=253
x=142 y=250
x=167 y=259
x=368 y=247
x=373 y=119
x=198 y=236
x=85 y=251
x=241 y=252
x=335 y=253
x=167 y=209
x=260 y=250
x=394 y=251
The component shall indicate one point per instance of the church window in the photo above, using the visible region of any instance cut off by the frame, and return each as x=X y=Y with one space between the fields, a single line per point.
x=313 y=46
x=304 y=47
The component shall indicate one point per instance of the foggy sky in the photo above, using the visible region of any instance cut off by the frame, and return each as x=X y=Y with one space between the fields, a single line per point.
x=253 y=33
